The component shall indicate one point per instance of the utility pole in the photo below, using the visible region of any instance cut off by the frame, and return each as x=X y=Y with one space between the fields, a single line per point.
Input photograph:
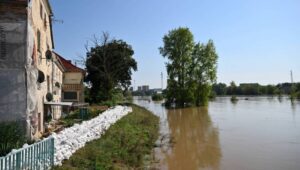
x=292 y=86
x=292 y=80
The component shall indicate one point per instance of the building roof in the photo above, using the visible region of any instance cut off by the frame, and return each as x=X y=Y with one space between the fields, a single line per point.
x=67 y=64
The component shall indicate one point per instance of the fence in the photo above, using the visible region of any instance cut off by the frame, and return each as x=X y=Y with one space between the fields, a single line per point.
x=37 y=156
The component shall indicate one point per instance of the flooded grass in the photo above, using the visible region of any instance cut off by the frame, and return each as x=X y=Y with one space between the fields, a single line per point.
x=124 y=146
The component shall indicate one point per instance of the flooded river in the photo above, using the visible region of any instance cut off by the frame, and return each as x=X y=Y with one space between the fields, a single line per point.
x=260 y=133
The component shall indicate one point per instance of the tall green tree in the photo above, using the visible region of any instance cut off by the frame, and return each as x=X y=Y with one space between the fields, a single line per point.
x=109 y=66
x=191 y=67
x=178 y=48
x=205 y=71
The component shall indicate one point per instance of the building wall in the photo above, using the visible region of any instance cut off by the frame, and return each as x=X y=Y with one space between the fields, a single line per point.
x=57 y=78
x=39 y=16
x=25 y=29
x=73 y=78
x=12 y=60
x=73 y=83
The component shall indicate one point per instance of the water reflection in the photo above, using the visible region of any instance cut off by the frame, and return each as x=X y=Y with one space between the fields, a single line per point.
x=188 y=137
x=197 y=140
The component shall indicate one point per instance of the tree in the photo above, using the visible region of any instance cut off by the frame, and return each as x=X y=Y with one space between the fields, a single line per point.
x=178 y=48
x=205 y=70
x=232 y=89
x=109 y=67
x=191 y=68
x=220 y=88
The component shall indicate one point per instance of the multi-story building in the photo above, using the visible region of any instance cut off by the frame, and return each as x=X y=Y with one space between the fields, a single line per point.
x=39 y=18
x=35 y=82
x=72 y=86
x=143 y=88
x=28 y=72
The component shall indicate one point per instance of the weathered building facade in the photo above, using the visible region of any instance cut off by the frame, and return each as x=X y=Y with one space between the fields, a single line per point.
x=13 y=61
x=26 y=62
x=72 y=86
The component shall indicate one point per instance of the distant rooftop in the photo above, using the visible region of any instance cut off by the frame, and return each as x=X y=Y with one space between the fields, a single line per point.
x=68 y=66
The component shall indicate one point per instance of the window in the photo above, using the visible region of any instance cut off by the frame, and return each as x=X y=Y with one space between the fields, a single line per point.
x=39 y=41
x=40 y=59
x=45 y=21
x=2 y=44
x=41 y=11
x=39 y=122
x=70 y=95
x=48 y=83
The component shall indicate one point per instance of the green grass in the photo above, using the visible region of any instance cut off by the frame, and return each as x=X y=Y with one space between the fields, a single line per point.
x=123 y=146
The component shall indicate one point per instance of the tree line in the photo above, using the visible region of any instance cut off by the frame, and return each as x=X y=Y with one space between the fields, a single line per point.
x=255 y=89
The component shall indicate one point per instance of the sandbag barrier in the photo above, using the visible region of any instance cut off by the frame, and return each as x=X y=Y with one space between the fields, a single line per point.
x=69 y=140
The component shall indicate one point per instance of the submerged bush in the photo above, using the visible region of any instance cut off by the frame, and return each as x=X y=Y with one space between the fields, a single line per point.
x=234 y=99
x=157 y=97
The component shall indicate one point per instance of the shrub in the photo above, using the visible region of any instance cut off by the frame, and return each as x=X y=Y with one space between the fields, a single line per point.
x=157 y=97
x=234 y=99
x=12 y=136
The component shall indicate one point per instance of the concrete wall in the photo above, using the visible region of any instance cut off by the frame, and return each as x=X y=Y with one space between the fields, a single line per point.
x=13 y=98
x=73 y=78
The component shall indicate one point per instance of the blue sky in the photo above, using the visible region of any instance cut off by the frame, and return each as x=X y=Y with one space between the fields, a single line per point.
x=256 y=40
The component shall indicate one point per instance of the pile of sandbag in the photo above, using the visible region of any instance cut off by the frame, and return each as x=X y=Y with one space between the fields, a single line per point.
x=71 y=139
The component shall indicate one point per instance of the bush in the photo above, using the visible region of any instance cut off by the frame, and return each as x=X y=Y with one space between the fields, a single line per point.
x=75 y=117
x=298 y=95
x=157 y=97
x=234 y=99
x=107 y=103
x=12 y=136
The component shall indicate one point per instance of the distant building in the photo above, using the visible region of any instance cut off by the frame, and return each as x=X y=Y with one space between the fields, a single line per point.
x=157 y=91
x=72 y=86
x=143 y=88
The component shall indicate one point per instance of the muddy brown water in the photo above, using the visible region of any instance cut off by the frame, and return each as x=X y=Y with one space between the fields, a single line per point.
x=260 y=133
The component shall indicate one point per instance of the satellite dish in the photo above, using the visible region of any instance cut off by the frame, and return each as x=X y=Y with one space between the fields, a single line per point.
x=48 y=55
x=49 y=97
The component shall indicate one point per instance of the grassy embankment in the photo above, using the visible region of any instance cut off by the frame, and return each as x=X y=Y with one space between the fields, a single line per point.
x=125 y=145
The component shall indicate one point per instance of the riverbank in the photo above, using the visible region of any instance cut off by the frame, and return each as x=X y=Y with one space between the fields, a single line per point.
x=124 y=145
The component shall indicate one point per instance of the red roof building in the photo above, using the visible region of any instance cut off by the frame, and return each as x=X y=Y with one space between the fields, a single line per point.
x=68 y=66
